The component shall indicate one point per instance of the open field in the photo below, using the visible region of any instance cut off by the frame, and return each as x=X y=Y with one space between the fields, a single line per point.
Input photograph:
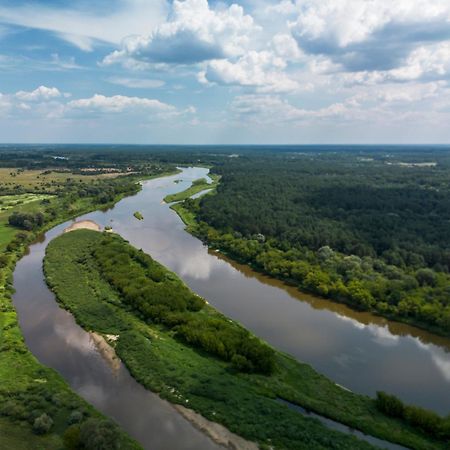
x=8 y=202
x=44 y=179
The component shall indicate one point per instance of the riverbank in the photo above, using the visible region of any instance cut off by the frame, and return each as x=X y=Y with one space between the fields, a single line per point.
x=26 y=386
x=246 y=251
x=243 y=402
x=28 y=389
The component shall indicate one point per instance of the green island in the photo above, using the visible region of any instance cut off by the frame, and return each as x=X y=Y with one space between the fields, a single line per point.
x=138 y=215
x=197 y=186
x=175 y=344
x=37 y=407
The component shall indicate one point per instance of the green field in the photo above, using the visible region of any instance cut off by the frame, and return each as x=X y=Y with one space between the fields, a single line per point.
x=159 y=358
x=46 y=180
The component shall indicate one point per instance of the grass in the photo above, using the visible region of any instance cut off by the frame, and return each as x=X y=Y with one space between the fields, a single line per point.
x=18 y=436
x=197 y=186
x=8 y=202
x=138 y=215
x=19 y=203
x=43 y=179
x=245 y=403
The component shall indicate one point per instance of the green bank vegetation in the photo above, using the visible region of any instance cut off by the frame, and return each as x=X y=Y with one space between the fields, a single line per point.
x=372 y=234
x=177 y=345
x=37 y=408
x=197 y=186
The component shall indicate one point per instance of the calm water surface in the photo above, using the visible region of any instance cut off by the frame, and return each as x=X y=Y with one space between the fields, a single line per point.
x=357 y=350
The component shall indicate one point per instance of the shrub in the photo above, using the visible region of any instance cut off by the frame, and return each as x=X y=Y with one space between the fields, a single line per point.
x=389 y=404
x=42 y=424
x=71 y=438
x=98 y=434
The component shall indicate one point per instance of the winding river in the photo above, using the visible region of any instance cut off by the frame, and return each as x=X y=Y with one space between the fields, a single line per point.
x=359 y=351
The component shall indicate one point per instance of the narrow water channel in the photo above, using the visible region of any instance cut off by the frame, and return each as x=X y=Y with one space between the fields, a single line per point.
x=360 y=351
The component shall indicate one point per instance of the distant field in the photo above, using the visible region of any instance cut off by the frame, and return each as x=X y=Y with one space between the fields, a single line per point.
x=8 y=202
x=31 y=179
x=20 y=203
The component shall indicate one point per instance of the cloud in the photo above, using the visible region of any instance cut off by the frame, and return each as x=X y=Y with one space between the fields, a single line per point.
x=192 y=34
x=369 y=35
x=261 y=70
x=84 y=25
x=49 y=102
x=42 y=93
x=137 y=83
x=275 y=109
x=119 y=104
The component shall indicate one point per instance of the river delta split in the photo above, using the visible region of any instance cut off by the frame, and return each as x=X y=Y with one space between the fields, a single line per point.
x=358 y=351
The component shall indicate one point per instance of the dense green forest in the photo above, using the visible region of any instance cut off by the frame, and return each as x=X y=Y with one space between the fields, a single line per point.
x=140 y=306
x=369 y=230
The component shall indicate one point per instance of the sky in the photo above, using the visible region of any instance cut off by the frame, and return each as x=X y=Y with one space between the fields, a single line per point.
x=221 y=72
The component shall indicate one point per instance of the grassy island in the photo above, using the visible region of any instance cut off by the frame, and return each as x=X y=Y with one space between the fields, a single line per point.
x=138 y=215
x=175 y=344
x=197 y=186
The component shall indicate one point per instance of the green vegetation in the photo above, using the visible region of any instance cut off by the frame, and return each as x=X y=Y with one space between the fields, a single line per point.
x=37 y=408
x=36 y=405
x=427 y=421
x=161 y=297
x=197 y=186
x=138 y=215
x=369 y=232
x=147 y=306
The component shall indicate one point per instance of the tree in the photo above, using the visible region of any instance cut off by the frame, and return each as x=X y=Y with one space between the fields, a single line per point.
x=42 y=424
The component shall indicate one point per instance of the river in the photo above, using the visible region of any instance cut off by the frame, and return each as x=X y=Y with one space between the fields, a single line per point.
x=359 y=351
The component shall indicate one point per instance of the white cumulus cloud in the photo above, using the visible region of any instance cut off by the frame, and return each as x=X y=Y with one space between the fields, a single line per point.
x=193 y=33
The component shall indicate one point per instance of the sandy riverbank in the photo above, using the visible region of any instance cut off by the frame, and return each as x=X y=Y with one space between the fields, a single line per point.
x=106 y=350
x=218 y=433
x=84 y=224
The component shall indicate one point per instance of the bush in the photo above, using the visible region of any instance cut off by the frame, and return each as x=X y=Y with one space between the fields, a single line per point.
x=42 y=424
x=71 y=438
x=98 y=434
x=389 y=404
x=75 y=417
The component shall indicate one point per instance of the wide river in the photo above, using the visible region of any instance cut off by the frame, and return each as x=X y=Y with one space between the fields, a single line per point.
x=359 y=351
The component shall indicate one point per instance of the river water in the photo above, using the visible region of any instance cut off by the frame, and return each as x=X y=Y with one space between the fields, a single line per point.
x=359 y=351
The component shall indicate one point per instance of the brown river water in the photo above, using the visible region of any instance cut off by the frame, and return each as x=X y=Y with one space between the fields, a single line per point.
x=360 y=351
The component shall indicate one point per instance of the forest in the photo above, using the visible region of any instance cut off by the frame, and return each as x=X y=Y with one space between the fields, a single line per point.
x=369 y=230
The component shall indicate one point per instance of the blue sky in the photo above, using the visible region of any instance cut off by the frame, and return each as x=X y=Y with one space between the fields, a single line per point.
x=219 y=72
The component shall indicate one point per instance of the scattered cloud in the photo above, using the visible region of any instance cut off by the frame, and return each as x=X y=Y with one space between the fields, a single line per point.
x=42 y=93
x=264 y=108
x=192 y=34
x=369 y=35
x=137 y=83
x=118 y=104
x=83 y=26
